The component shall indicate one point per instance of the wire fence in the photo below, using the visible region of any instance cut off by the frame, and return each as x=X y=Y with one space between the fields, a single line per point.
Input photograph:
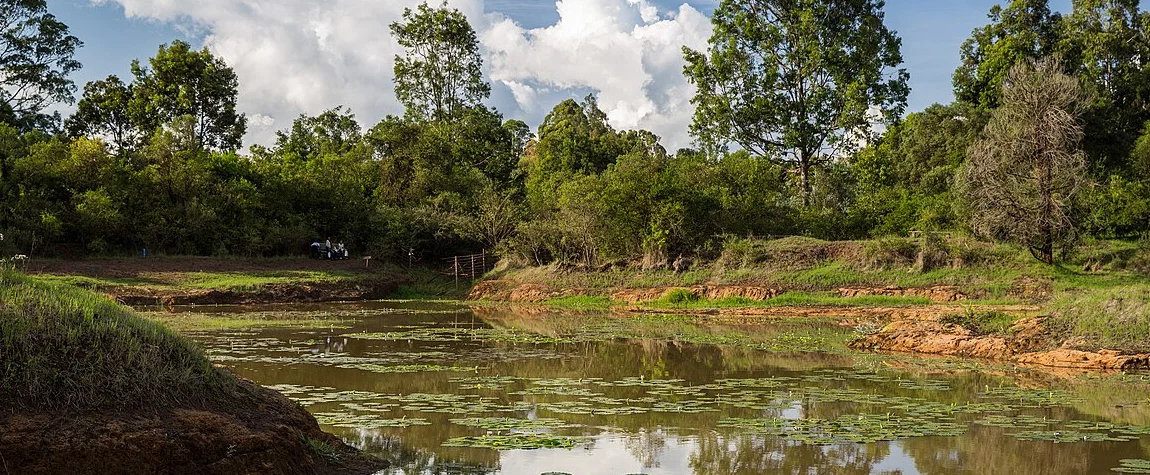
x=472 y=266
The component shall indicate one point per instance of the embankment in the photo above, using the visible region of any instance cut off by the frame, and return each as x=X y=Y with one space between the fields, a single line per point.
x=88 y=386
x=914 y=295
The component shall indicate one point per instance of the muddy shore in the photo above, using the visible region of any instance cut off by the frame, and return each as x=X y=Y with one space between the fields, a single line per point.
x=257 y=431
x=904 y=329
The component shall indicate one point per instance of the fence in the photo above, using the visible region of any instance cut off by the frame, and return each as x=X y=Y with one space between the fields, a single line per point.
x=469 y=267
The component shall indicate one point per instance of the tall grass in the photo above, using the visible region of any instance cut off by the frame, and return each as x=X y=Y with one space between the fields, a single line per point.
x=1114 y=318
x=67 y=348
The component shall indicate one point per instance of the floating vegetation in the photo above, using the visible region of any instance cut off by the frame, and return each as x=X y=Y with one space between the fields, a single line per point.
x=1133 y=466
x=365 y=421
x=1071 y=436
x=517 y=441
x=484 y=382
x=509 y=424
x=1033 y=397
x=1014 y=422
x=415 y=368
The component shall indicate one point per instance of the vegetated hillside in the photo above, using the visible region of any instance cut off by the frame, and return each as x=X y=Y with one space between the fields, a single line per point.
x=88 y=386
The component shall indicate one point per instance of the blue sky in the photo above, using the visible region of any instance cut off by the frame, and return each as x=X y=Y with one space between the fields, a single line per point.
x=117 y=31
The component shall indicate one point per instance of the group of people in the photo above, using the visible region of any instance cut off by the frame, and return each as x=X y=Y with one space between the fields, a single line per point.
x=325 y=250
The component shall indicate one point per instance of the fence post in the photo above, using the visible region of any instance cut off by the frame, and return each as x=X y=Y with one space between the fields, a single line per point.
x=473 y=268
x=484 y=262
x=455 y=271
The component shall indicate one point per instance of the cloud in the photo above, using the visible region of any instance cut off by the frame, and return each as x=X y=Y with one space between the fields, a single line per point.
x=302 y=56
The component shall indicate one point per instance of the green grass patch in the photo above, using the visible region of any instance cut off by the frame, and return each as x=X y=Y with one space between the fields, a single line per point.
x=684 y=299
x=983 y=322
x=67 y=348
x=254 y=280
x=185 y=322
x=581 y=302
x=1115 y=318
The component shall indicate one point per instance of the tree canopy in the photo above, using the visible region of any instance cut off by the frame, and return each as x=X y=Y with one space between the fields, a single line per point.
x=36 y=58
x=795 y=80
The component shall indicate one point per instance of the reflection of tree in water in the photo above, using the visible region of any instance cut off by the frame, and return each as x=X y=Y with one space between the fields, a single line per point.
x=646 y=446
x=752 y=455
x=416 y=461
x=971 y=454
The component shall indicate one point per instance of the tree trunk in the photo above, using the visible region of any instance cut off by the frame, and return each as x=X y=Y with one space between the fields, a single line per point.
x=805 y=175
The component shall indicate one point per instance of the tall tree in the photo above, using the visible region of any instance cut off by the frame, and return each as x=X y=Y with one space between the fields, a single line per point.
x=1022 y=176
x=104 y=111
x=185 y=82
x=1105 y=43
x=795 y=79
x=35 y=60
x=441 y=71
x=1024 y=29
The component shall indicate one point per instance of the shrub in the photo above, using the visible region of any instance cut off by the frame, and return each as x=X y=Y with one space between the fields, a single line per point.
x=888 y=253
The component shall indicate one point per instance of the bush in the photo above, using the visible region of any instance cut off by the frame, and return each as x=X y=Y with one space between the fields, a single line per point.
x=888 y=253
x=990 y=322
x=680 y=297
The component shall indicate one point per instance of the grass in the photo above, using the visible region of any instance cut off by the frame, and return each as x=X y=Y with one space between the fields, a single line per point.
x=582 y=302
x=983 y=322
x=67 y=348
x=425 y=284
x=185 y=322
x=787 y=299
x=237 y=281
x=1115 y=318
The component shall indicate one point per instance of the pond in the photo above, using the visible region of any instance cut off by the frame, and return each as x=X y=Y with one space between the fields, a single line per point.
x=443 y=388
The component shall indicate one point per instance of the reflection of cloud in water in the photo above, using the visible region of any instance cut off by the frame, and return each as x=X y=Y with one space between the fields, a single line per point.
x=608 y=455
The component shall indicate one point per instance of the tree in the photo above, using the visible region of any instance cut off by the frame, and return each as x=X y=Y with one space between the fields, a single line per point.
x=35 y=61
x=183 y=82
x=441 y=72
x=104 y=111
x=795 y=79
x=905 y=179
x=1104 y=42
x=1022 y=175
x=1025 y=29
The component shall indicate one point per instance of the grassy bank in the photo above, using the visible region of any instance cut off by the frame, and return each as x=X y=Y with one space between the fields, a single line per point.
x=67 y=348
x=1097 y=298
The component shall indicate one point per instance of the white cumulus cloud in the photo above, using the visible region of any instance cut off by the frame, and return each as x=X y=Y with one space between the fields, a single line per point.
x=302 y=56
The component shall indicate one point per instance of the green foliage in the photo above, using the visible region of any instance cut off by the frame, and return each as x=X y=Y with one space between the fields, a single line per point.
x=679 y=297
x=179 y=82
x=789 y=80
x=982 y=322
x=36 y=61
x=1024 y=29
x=440 y=74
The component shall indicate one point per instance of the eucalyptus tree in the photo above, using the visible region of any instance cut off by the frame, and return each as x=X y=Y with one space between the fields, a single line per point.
x=180 y=81
x=796 y=80
x=440 y=73
x=36 y=57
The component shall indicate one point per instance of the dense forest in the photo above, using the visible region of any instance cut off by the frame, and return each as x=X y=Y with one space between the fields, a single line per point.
x=800 y=129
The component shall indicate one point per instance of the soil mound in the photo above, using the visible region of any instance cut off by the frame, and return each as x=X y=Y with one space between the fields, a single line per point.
x=259 y=431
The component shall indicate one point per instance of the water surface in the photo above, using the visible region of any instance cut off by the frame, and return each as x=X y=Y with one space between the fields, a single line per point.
x=442 y=388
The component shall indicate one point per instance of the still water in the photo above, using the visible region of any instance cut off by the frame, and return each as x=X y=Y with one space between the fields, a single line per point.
x=443 y=388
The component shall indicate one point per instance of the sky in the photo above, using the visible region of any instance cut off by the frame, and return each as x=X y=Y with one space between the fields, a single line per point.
x=303 y=57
